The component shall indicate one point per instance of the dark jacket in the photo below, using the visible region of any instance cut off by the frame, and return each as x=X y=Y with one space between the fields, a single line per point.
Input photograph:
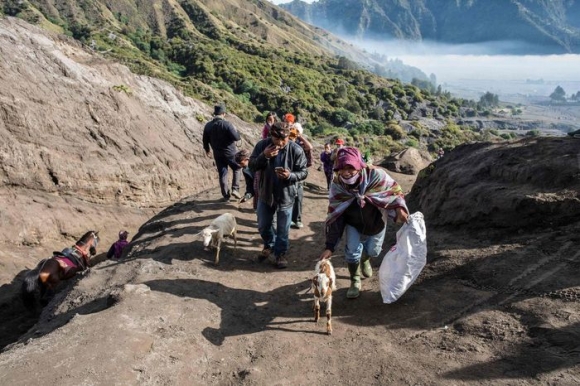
x=222 y=137
x=367 y=221
x=272 y=190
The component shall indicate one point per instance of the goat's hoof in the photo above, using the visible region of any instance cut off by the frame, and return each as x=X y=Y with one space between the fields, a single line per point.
x=329 y=332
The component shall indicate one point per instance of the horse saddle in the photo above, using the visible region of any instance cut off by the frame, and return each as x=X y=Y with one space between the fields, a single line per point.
x=68 y=259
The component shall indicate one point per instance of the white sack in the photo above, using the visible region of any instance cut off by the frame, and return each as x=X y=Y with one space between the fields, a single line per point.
x=404 y=261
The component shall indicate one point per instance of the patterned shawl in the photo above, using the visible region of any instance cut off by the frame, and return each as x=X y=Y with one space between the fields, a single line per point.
x=375 y=187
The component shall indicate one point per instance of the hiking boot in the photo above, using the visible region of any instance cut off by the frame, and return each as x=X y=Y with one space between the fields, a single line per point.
x=264 y=255
x=292 y=224
x=299 y=225
x=236 y=194
x=281 y=261
x=225 y=199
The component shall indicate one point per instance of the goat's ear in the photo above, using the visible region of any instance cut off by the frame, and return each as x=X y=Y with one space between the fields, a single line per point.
x=214 y=230
x=315 y=281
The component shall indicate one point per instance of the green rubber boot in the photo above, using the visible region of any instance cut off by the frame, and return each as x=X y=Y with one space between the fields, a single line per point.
x=367 y=269
x=354 y=290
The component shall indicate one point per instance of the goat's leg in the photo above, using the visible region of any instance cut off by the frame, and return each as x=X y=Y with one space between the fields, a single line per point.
x=328 y=315
x=316 y=309
x=235 y=241
x=217 y=255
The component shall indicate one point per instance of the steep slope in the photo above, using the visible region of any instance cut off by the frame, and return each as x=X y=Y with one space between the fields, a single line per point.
x=518 y=27
x=86 y=144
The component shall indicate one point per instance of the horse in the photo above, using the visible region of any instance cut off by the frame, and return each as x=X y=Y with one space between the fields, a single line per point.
x=61 y=266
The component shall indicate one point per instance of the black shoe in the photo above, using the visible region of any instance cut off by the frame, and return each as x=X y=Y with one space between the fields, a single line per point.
x=226 y=199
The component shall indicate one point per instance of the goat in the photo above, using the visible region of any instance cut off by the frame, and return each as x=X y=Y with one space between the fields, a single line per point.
x=323 y=283
x=224 y=225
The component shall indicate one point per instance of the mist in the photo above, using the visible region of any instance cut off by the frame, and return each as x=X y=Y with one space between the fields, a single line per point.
x=470 y=70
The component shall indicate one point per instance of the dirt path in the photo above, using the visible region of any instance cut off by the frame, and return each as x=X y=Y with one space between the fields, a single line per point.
x=483 y=312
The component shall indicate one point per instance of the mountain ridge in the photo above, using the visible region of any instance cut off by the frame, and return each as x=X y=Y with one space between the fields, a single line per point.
x=538 y=26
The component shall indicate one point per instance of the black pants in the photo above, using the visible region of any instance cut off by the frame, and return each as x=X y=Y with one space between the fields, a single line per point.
x=222 y=164
x=249 y=181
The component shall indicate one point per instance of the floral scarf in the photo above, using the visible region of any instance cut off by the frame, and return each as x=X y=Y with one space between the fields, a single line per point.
x=375 y=186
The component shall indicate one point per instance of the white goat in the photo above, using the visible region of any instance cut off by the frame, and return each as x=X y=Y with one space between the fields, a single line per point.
x=222 y=226
x=323 y=283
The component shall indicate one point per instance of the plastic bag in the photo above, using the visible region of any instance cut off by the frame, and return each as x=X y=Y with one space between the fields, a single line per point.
x=405 y=260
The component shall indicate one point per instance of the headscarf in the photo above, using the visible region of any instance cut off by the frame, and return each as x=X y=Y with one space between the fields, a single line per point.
x=375 y=187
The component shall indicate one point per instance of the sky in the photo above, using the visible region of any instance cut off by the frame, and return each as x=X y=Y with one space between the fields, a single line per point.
x=289 y=1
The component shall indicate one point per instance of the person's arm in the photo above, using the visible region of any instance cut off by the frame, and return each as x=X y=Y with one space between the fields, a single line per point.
x=307 y=146
x=233 y=132
x=334 y=232
x=206 y=138
x=258 y=160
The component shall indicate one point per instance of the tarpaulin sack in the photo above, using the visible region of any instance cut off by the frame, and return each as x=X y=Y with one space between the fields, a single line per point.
x=404 y=261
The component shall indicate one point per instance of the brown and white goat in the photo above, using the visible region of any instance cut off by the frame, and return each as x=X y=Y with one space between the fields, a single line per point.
x=323 y=283
x=222 y=226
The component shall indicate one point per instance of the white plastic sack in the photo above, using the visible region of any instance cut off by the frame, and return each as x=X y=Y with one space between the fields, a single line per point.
x=404 y=261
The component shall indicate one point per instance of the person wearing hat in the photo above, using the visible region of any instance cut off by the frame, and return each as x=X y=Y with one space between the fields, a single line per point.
x=296 y=136
x=361 y=198
x=116 y=250
x=282 y=165
x=339 y=145
x=222 y=136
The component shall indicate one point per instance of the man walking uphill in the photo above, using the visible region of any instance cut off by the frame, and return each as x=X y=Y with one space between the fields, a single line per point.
x=282 y=164
x=222 y=137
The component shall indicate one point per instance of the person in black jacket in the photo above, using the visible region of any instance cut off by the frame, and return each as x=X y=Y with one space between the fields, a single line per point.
x=282 y=164
x=221 y=135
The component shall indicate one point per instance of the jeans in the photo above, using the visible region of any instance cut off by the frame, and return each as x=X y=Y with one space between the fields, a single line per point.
x=275 y=239
x=356 y=243
x=222 y=164
x=297 y=208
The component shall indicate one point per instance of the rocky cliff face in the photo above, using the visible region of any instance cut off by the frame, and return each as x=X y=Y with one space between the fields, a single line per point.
x=86 y=144
x=538 y=26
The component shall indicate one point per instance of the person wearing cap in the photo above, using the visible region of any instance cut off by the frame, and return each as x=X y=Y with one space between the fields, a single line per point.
x=339 y=145
x=361 y=198
x=271 y=118
x=242 y=158
x=282 y=165
x=116 y=250
x=296 y=136
x=222 y=136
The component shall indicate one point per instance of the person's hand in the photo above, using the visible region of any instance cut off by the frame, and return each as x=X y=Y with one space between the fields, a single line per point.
x=325 y=255
x=402 y=216
x=271 y=151
x=283 y=174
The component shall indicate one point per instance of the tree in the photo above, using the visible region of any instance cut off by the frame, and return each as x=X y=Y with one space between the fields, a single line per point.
x=489 y=100
x=559 y=95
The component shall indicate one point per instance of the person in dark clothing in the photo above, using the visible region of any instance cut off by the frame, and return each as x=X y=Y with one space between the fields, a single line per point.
x=361 y=198
x=282 y=164
x=296 y=135
x=327 y=164
x=222 y=136
x=116 y=250
x=243 y=159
